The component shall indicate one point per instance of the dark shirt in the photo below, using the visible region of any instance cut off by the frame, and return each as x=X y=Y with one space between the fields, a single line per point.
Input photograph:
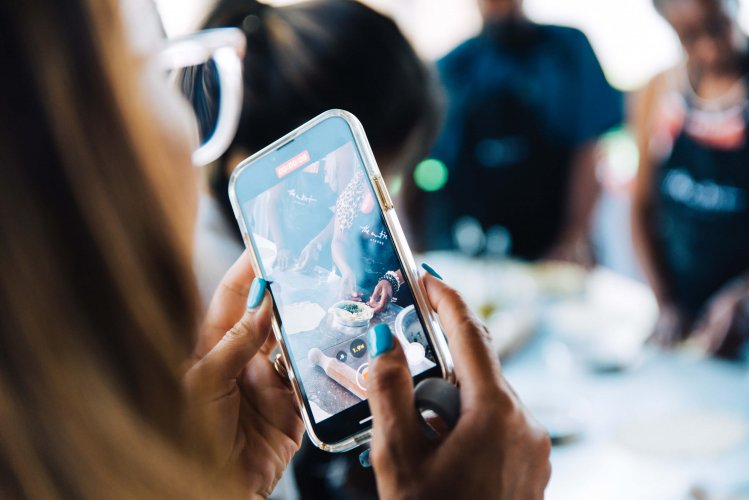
x=306 y=204
x=520 y=102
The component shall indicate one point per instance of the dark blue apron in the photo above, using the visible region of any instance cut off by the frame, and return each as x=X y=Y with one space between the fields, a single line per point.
x=702 y=218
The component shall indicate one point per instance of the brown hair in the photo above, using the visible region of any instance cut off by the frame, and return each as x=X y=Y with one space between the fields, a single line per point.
x=97 y=300
x=307 y=57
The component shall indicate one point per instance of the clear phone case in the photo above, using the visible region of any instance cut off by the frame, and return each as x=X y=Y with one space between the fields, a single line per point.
x=432 y=327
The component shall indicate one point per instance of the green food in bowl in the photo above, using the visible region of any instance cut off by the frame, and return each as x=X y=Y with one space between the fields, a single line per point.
x=352 y=308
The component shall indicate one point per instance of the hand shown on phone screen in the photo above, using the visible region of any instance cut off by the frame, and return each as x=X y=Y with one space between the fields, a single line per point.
x=381 y=296
x=386 y=290
x=309 y=257
x=349 y=288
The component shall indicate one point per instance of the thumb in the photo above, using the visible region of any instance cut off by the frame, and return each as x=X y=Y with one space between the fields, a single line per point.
x=395 y=424
x=229 y=356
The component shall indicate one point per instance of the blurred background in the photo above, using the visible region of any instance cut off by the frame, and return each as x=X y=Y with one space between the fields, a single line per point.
x=572 y=325
x=631 y=40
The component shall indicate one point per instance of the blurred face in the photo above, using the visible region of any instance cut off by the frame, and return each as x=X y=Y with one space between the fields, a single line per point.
x=705 y=30
x=499 y=10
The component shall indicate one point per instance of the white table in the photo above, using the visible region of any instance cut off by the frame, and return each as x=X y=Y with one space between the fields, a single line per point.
x=648 y=424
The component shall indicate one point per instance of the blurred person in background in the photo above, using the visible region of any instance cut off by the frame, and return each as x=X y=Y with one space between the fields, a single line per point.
x=691 y=207
x=526 y=106
x=303 y=59
x=108 y=387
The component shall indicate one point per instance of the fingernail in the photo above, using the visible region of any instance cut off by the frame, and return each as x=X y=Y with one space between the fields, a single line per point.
x=364 y=459
x=257 y=291
x=380 y=340
x=431 y=271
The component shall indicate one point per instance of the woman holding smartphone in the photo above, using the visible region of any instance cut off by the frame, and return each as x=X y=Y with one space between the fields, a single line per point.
x=108 y=386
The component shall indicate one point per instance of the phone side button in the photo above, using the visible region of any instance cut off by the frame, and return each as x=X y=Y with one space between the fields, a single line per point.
x=382 y=192
x=365 y=420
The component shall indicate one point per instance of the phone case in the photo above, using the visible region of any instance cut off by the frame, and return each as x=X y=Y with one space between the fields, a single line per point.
x=432 y=327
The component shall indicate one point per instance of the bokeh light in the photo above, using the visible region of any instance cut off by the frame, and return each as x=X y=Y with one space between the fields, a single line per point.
x=430 y=175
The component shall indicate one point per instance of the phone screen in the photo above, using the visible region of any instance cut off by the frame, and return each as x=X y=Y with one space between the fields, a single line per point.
x=323 y=243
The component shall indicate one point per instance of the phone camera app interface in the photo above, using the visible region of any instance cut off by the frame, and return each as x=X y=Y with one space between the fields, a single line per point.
x=334 y=273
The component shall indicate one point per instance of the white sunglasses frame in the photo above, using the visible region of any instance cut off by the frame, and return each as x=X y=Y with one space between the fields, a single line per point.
x=226 y=47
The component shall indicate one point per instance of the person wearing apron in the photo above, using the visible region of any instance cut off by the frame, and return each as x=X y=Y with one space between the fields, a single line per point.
x=302 y=211
x=362 y=247
x=691 y=210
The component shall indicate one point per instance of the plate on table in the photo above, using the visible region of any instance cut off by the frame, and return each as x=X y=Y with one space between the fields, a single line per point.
x=301 y=317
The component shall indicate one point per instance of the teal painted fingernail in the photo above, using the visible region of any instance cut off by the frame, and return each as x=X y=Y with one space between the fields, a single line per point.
x=364 y=459
x=380 y=340
x=431 y=271
x=257 y=292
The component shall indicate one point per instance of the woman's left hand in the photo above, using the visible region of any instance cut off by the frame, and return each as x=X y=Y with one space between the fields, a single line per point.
x=250 y=411
x=309 y=256
x=725 y=323
x=381 y=296
x=348 y=288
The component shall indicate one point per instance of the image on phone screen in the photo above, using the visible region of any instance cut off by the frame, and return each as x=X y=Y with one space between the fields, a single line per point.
x=334 y=272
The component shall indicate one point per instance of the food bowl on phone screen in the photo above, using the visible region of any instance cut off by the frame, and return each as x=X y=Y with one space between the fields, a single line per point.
x=407 y=326
x=349 y=316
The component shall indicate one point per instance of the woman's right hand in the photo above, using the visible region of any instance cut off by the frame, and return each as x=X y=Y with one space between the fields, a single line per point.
x=309 y=256
x=283 y=259
x=670 y=327
x=496 y=449
x=381 y=296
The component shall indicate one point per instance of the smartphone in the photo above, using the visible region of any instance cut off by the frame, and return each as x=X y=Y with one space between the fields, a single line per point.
x=316 y=215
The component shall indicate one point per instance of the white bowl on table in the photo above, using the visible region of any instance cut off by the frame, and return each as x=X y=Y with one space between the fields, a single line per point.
x=406 y=320
x=348 y=322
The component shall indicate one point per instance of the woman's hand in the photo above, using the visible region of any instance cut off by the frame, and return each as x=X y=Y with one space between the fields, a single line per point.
x=309 y=257
x=283 y=259
x=725 y=325
x=496 y=450
x=233 y=385
x=349 y=289
x=381 y=296
x=670 y=327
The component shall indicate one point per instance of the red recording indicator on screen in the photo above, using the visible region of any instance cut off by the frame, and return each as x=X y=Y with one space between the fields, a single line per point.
x=292 y=164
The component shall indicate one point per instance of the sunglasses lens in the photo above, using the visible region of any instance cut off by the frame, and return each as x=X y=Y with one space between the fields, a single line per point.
x=201 y=87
